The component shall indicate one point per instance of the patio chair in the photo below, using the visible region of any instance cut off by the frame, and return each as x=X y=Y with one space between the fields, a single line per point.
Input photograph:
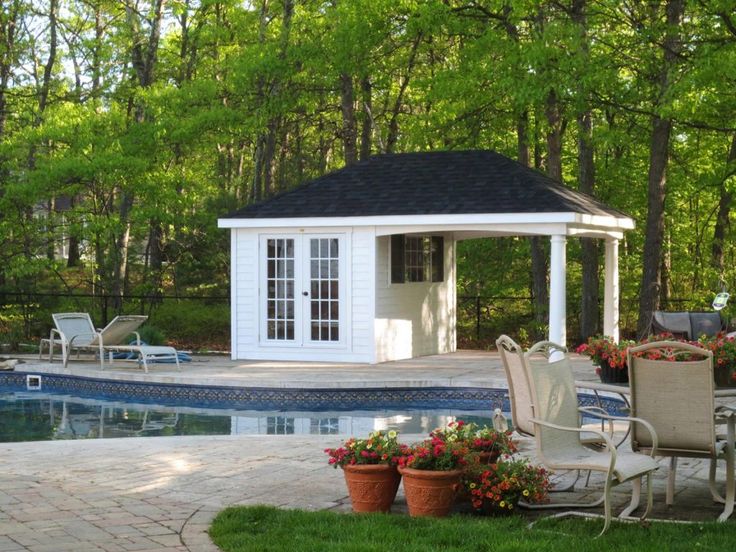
x=520 y=398
x=678 y=399
x=558 y=433
x=75 y=331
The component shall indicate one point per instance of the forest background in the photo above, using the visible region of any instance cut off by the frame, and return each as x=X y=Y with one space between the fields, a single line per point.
x=127 y=127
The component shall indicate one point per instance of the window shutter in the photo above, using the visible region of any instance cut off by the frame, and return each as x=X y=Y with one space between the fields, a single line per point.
x=438 y=259
x=397 y=259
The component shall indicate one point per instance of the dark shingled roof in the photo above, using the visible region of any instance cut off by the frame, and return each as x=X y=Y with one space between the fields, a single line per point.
x=428 y=183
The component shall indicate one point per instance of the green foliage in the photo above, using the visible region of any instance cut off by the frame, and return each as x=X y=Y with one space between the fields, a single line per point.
x=250 y=99
x=152 y=335
x=192 y=324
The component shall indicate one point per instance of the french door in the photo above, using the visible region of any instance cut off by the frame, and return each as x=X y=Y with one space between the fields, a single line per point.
x=302 y=289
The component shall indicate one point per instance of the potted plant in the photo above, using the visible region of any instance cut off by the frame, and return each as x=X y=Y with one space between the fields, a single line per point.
x=724 y=358
x=498 y=488
x=432 y=471
x=369 y=466
x=608 y=357
x=488 y=442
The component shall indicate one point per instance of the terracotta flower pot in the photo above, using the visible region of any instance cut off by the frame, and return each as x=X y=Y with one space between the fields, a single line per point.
x=488 y=457
x=430 y=493
x=372 y=487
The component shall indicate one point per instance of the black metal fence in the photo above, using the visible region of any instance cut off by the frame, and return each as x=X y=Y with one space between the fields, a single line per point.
x=26 y=315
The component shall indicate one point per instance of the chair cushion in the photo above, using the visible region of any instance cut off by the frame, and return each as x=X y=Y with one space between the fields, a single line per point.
x=705 y=323
x=676 y=323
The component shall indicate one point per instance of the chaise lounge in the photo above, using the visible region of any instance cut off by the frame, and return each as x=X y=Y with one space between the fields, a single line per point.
x=75 y=331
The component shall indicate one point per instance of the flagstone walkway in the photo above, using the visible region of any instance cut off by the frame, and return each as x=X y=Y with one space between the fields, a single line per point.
x=160 y=494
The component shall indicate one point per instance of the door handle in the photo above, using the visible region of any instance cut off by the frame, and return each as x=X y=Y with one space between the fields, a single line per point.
x=305 y=293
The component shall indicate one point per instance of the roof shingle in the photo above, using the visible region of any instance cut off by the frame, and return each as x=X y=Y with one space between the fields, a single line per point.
x=428 y=183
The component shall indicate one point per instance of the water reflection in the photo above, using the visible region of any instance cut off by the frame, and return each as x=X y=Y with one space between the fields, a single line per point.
x=38 y=416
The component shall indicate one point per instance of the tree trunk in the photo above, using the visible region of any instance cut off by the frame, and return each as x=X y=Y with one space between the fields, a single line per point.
x=724 y=210
x=554 y=137
x=349 y=126
x=540 y=293
x=651 y=283
x=589 y=308
x=144 y=63
x=366 y=132
x=393 y=124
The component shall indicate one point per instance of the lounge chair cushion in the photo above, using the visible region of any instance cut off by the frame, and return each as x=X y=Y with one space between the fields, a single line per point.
x=688 y=325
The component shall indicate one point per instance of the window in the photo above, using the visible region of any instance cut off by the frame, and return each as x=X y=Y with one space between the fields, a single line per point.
x=417 y=259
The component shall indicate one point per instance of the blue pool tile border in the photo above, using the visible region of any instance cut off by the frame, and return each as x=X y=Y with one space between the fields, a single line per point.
x=270 y=398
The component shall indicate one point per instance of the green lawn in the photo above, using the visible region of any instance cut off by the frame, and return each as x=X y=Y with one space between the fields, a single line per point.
x=263 y=528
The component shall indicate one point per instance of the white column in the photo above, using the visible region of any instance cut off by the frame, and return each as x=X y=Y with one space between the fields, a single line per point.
x=611 y=290
x=557 y=286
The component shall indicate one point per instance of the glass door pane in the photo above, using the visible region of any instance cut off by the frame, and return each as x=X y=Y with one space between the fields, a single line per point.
x=280 y=281
x=324 y=303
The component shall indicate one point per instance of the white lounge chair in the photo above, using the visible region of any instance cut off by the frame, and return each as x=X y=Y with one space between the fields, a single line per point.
x=558 y=432
x=75 y=331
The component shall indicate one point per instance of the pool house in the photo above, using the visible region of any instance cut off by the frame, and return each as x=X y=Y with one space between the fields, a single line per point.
x=359 y=265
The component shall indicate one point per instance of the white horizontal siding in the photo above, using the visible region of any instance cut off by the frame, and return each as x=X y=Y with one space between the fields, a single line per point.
x=247 y=291
x=358 y=307
x=415 y=318
x=362 y=269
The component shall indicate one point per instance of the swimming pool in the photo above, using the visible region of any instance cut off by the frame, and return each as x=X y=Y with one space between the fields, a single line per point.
x=50 y=407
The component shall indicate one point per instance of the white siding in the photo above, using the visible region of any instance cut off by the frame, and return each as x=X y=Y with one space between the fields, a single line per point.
x=245 y=292
x=358 y=305
x=414 y=319
x=363 y=288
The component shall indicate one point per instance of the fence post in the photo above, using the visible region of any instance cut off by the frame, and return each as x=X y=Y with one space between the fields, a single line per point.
x=477 y=317
x=104 y=310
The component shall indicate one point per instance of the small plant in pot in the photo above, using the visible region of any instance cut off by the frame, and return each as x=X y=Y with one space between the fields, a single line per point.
x=498 y=488
x=489 y=443
x=369 y=466
x=724 y=358
x=608 y=357
x=432 y=471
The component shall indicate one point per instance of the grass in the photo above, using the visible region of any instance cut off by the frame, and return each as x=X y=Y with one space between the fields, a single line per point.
x=264 y=528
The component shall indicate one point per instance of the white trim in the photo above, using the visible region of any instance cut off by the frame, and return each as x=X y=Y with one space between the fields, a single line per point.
x=608 y=222
x=373 y=258
x=302 y=339
x=557 y=290
x=263 y=340
x=343 y=290
x=611 y=291
x=233 y=294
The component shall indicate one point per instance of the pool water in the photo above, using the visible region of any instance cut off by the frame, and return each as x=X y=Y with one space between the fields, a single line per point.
x=37 y=407
x=26 y=416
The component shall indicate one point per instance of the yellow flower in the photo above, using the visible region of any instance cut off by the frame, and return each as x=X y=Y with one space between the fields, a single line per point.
x=511 y=506
x=502 y=504
x=472 y=485
x=392 y=434
x=525 y=492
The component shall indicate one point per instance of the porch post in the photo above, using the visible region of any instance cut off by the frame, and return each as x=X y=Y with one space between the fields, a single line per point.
x=557 y=285
x=611 y=290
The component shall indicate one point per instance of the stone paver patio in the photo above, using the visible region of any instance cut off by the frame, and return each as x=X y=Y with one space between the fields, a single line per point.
x=160 y=494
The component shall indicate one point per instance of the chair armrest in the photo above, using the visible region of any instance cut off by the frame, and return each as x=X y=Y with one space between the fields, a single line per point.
x=725 y=412
x=53 y=331
x=71 y=341
x=601 y=434
x=137 y=338
x=605 y=415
